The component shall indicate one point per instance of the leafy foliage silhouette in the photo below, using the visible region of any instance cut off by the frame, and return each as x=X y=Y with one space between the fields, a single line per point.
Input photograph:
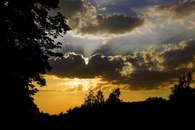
x=90 y=99
x=182 y=93
x=100 y=98
x=114 y=96
x=27 y=33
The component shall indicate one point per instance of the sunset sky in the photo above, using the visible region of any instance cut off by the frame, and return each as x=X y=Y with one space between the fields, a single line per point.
x=140 y=46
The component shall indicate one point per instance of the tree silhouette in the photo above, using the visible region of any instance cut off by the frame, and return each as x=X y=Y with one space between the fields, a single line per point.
x=90 y=99
x=114 y=96
x=155 y=99
x=99 y=98
x=27 y=33
x=182 y=93
x=189 y=78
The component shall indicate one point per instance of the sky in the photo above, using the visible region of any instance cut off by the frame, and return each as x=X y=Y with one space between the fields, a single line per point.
x=139 y=46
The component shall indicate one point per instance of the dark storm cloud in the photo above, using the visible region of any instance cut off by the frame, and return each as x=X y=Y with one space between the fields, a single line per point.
x=113 y=24
x=147 y=69
x=180 y=10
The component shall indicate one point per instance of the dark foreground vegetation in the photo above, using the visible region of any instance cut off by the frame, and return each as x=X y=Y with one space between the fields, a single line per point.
x=154 y=112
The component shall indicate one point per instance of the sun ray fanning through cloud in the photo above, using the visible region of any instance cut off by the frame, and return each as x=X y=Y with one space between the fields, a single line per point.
x=140 y=46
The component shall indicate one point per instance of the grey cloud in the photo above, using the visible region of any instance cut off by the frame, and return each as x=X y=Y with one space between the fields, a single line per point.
x=113 y=24
x=160 y=64
x=70 y=8
x=147 y=69
x=148 y=80
x=73 y=65
x=147 y=74
x=160 y=30
x=180 y=10
x=105 y=66
x=130 y=3
x=84 y=18
x=183 y=55
x=70 y=66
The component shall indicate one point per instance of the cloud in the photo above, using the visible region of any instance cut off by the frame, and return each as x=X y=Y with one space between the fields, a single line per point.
x=95 y=30
x=80 y=45
x=147 y=69
x=84 y=18
x=160 y=64
x=74 y=65
x=180 y=10
x=107 y=67
x=180 y=56
x=123 y=4
x=158 y=28
x=71 y=7
x=113 y=24
x=139 y=64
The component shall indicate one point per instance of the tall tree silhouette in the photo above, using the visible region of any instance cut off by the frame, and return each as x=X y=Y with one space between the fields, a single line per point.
x=26 y=43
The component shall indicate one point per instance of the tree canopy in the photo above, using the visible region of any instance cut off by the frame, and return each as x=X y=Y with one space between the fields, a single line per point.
x=182 y=92
x=27 y=43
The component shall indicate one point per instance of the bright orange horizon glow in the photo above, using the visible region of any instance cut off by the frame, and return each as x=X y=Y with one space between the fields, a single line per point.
x=62 y=94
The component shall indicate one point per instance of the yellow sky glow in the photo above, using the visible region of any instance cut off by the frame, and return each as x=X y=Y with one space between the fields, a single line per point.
x=61 y=94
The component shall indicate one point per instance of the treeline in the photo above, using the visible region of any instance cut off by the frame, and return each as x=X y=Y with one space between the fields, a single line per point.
x=100 y=113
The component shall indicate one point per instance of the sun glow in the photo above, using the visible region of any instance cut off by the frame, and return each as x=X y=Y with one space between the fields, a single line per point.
x=70 y=85
x=77 y=84
x=62 y=94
